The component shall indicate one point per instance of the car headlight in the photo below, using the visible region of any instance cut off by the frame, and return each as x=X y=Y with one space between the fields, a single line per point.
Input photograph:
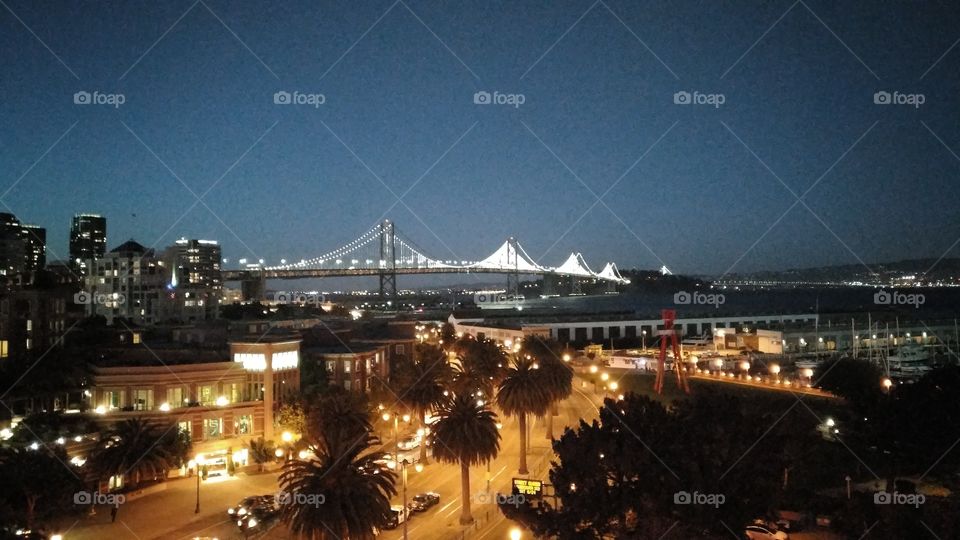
x=252 y=522
x=242 y=512
x=231 y=511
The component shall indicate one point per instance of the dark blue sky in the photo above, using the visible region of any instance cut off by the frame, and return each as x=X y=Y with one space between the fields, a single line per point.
x=799 y=95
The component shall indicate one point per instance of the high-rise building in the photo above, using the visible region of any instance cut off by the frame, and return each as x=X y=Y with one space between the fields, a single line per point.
x=13 y=251
x=23 y=248
x=35 y=238
x=88 y=240
x=195 y=278
x=128 y=283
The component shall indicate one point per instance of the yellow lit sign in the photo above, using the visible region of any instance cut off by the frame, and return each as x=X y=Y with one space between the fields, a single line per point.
x=523 y=486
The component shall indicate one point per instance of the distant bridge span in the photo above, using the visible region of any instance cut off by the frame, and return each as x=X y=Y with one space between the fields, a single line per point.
x=383 y=252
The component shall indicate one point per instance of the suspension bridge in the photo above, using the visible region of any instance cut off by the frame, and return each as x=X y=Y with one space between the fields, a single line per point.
x=385 y=252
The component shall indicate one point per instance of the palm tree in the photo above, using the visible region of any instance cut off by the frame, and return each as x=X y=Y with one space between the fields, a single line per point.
x=341 y=492
x=466 y=433
x=481 y=366
x=139 y=449
x=261 y=452
x=556 y=376
x=523 y=392
x=422 y=385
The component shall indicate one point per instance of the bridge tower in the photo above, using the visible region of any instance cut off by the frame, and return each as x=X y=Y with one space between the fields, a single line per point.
x=549 y=287
x=513 y=260
x=388 y=260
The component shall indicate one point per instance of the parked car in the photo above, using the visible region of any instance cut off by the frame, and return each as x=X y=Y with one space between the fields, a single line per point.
x=399 y=515
x=759 y=532
x=427 y=500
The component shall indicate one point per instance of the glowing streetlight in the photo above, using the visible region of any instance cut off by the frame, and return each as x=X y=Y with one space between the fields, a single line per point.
x=593 y=369
x=286 y=436
x=515 y=534
x=604 y=376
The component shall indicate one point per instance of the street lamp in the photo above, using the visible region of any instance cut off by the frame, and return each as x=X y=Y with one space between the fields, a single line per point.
x=396 y=429
x=198 y=462
x=515 y=534
x=643 y=334
x=403 y=475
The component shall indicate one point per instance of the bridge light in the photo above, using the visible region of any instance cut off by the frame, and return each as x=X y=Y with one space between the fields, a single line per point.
x=283 y=261
x=243 y=261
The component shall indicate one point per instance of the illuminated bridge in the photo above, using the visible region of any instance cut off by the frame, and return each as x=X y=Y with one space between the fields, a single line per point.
x=383 y=251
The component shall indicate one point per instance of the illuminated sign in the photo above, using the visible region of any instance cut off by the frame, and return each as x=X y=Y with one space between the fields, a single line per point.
x=530 y=488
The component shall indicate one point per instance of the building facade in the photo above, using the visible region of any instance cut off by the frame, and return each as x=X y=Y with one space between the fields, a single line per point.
x=196 y=283
x=23 y=248
x=88 y=240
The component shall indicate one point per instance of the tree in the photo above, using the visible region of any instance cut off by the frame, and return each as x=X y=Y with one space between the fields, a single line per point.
x=37 y=485
x=522 y=392
x=629 y=475
x=422 y=385
x=556 y=376
x=138 y=449
x=261 y=452
x=291 y=417
x=857 y=381
x=341 y=492
x=466 y=433
x=482 y=366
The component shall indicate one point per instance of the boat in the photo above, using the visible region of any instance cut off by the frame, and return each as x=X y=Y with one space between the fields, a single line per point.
x=910 y=359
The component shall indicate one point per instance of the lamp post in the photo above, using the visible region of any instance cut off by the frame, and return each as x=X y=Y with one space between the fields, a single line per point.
x=198 y=462
x=396 y=430
x=403 y=476
x=643 y=333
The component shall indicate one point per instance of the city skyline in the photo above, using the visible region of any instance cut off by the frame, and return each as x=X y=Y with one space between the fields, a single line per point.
x=786 y=155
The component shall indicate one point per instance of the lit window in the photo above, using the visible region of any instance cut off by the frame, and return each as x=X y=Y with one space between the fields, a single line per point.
x=212 y=428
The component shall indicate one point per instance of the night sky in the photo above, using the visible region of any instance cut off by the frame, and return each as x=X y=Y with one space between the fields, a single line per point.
x=700 y=188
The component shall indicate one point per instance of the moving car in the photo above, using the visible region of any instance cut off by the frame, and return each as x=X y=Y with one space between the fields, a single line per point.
x=759 y=532
x=409 y=443
x=247 y=503
x=258 y=515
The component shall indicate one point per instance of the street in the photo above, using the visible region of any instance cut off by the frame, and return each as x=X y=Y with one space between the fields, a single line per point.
x=170 y=513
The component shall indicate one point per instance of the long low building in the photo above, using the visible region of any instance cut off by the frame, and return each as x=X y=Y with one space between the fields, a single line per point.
x=598 y=329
